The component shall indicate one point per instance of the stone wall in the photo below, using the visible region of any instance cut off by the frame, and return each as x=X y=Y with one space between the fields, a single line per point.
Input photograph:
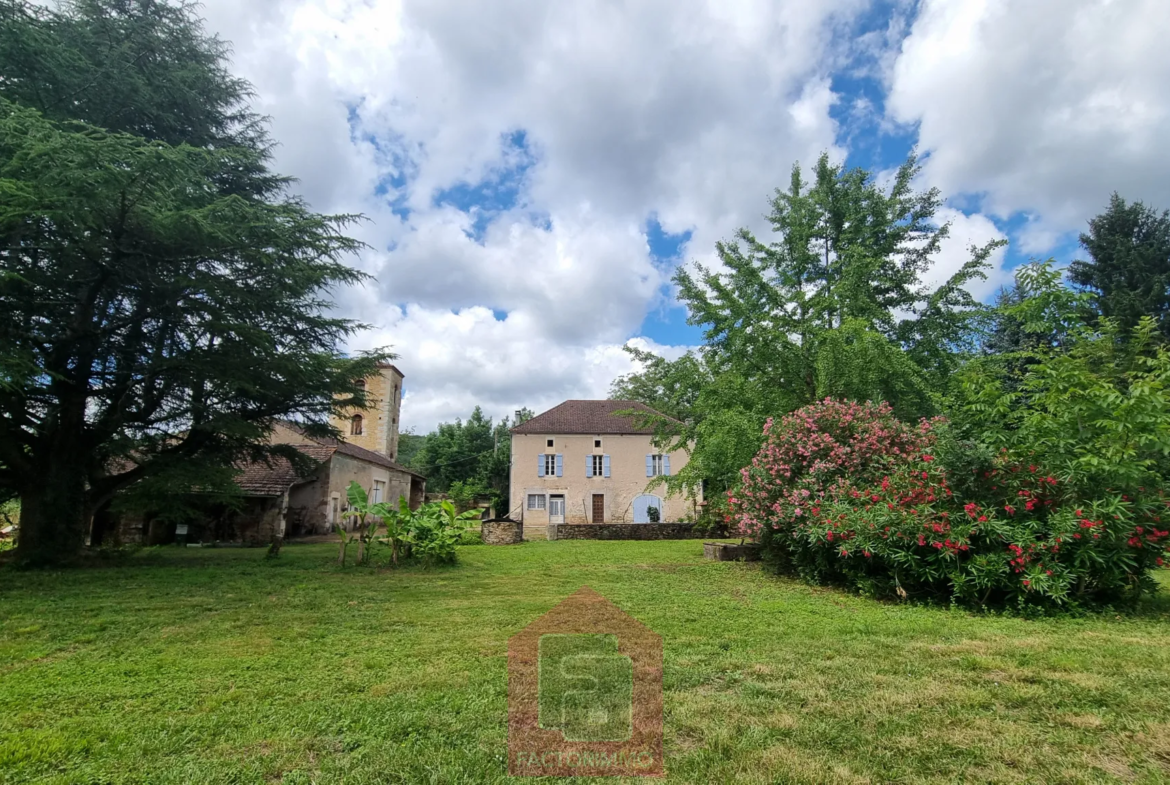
x=623 y=531
x=501 y=532
x=380 y=422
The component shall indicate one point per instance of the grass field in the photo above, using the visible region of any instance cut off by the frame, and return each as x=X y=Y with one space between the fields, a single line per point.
x=215 y=666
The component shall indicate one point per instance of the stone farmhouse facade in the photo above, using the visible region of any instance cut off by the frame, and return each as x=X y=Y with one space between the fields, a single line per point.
x=279 y=500
x=583 y=462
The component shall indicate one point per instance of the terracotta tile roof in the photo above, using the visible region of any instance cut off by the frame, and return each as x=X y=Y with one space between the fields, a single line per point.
x=362 y=453
x=278 y=475
x=352 y=450
x=596 y=417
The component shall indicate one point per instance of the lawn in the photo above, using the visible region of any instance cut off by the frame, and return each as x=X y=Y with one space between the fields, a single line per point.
x=216 y=666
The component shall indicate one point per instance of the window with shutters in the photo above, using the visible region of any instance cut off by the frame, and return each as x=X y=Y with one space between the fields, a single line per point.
x=655 y=465
x=536 y=501
x=377 y=491
x=550 y=465
x=598 y=466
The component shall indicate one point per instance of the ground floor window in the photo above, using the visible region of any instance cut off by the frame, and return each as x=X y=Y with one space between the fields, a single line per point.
x=536 y=501
x=377 y=491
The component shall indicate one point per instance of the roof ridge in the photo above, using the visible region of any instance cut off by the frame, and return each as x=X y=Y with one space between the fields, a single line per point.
x=591 y=415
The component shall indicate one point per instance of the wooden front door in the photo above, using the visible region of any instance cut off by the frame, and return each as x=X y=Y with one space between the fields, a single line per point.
x=598 y=508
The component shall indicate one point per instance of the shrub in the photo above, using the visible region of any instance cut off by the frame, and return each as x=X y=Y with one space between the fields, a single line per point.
x=436 y=529
x=840 y=493
x=813 y=449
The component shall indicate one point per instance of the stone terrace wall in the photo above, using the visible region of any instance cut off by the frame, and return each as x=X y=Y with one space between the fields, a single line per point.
x=501 y=532
x=623 y=531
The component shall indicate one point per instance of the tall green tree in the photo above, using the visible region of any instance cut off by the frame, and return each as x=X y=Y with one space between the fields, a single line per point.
x=163 y=299
x=833 y=305
x=1128 y=272
x=474 y=452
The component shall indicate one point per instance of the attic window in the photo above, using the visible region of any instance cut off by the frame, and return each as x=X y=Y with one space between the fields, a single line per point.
x=550 y=443
x=597 y=442
x=355 y=425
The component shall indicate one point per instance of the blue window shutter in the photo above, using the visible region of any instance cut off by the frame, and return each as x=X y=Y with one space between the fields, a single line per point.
x=605 y=464
x=540 y=466
x=560 y=465
x=649 y=465
x=666 y=465
x=588 y=465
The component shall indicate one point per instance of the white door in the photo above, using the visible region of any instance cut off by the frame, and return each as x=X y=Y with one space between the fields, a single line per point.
x=642 y=505
x=556 y=509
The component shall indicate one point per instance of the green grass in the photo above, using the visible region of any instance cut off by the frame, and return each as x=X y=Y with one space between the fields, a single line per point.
x=216 y=666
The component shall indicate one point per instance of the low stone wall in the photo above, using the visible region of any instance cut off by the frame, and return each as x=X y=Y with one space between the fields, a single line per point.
x=623 y=531
x=501 y=532
x=730 y=551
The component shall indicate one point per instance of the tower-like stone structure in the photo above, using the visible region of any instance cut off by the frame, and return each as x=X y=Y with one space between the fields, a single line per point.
x=376 y=428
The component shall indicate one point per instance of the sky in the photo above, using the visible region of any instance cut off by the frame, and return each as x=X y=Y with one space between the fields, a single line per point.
x=532 y=173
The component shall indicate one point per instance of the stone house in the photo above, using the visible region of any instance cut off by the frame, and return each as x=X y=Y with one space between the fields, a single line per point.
x=279 y=500
x=582 y=462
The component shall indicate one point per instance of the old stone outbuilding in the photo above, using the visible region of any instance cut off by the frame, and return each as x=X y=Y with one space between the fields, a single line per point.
x=279 y=500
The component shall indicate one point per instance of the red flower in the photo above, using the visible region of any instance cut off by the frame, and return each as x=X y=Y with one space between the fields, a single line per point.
x=1009 y=509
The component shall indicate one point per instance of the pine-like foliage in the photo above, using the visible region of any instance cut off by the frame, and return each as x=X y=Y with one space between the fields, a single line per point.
x=162 y=298
x=1129 y=272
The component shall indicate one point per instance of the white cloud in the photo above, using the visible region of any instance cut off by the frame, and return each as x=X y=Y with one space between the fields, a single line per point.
x=692 y=110
x=456 y=360
x=1043 y=107
x=966 y=231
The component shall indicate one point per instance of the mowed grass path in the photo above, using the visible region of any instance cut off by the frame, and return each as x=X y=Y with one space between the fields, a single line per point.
x=215 y=666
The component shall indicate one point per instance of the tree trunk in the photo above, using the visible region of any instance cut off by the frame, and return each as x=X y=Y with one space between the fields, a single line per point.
x=54 y=513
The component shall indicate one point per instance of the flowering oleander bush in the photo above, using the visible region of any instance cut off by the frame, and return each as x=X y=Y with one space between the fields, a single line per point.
x=845 y=493
x=814 y=449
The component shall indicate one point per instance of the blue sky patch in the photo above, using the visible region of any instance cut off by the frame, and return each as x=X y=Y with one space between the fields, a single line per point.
x=498 y=191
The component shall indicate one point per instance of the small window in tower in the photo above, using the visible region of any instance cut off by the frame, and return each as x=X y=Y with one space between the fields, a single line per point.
x=361 y=384
x=355 y=425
